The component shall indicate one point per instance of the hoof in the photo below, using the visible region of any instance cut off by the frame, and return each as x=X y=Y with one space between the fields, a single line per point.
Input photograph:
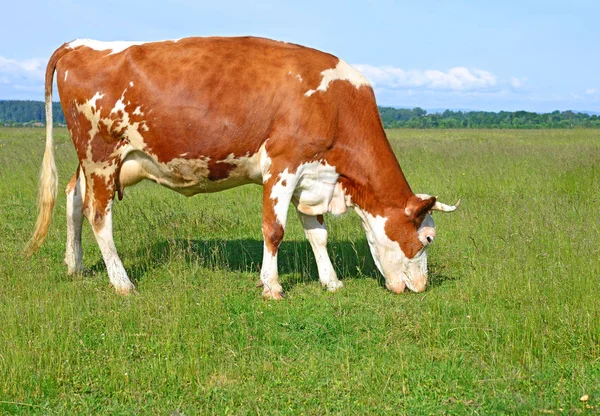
x=125 y=290
x=272 y=295
x=334 y=286
x=74 y=270
x=259 y=283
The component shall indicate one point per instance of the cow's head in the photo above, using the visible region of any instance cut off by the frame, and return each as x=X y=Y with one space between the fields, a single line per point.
x=399 y=239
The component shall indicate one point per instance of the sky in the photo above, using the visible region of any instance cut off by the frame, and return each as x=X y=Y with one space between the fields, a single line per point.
x=487 y=55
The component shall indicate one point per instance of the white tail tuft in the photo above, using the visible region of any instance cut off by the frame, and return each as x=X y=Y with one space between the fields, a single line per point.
x=48 y=185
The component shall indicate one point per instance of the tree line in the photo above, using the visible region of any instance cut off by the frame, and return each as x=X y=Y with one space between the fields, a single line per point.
x=20 y=113
x=419 y=118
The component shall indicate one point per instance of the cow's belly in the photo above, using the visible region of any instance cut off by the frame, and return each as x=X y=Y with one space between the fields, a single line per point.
x=314 y=184
x=190 y=176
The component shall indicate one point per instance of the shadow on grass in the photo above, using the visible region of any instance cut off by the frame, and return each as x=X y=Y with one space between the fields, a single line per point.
x=296 y=260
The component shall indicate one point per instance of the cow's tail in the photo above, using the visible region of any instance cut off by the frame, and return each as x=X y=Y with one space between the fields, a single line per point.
x=48 y=184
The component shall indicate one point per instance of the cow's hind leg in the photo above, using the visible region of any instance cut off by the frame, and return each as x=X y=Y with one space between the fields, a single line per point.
x=73 y=253
x=98 y=210
x=316 y=233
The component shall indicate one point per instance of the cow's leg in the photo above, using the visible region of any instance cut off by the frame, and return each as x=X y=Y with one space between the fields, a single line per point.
x=98 y=210
x=316 y=233
x=276 y=200
x=73 y=253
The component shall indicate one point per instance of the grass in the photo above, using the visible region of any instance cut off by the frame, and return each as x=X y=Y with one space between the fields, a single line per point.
x=509 y=325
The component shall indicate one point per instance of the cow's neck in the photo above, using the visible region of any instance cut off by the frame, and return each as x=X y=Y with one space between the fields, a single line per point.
x=373 y=178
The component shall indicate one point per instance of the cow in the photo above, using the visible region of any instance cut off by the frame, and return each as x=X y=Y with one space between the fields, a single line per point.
x=206 y=114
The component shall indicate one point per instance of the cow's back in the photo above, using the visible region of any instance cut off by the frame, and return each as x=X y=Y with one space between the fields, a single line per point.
x=202 y=97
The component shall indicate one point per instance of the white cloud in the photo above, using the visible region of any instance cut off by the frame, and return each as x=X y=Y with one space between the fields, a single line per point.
x=31 y=68
x=18 y=78
x=455 y=79
x=592 y=91
x=517 y=82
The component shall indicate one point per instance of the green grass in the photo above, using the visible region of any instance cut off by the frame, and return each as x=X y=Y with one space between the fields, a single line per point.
x=510 y=323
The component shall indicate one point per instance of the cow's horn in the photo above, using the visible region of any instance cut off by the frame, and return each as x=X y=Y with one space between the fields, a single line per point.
x=445 y=208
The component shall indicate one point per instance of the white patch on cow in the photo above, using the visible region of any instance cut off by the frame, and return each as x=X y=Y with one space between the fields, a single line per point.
x=344 y=72
x=114 y=47
x=312 y=187
x=264 y=163
x=282 y=193
x=269 y=275
x=389 y=258
x=138 y=111
x=119 y=105
x=297 y=76
x=131 y=134
x=90 y=111
x=315 y=187
x=131 y=83
x=66 y=74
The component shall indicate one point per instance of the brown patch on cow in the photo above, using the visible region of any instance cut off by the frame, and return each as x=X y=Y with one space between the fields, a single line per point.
x=320 y=219
x=219 y=170
x=273 y=234
x=102 y=192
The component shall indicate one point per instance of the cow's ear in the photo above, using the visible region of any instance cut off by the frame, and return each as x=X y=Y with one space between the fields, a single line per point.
x=416 y=208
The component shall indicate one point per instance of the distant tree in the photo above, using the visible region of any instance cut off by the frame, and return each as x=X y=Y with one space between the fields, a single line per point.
x=21 y=112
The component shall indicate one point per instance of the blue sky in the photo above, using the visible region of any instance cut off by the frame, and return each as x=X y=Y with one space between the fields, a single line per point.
x=484 y=55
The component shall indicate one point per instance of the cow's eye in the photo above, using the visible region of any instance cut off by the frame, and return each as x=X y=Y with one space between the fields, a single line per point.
x=429 y=239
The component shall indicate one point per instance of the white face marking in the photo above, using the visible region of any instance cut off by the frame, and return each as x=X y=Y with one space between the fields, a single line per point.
x=66 y=74
x=391 y=261
x=114 y=47
x=342 y=71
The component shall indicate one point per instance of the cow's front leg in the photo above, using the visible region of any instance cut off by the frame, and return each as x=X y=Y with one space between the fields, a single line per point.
x=277 y=195
x=316 y=233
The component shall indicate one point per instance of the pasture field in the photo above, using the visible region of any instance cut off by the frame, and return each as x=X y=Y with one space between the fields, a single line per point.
x=510 y=323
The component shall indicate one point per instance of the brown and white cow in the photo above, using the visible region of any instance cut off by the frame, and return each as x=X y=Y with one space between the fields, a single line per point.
x=206 y=114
